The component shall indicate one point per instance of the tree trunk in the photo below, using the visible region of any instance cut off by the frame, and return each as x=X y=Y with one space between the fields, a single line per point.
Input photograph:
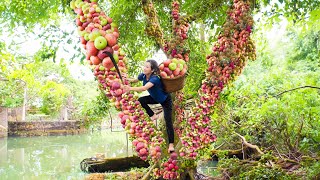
x=202 y=35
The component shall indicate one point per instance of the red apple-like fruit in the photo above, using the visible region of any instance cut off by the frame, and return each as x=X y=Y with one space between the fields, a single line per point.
x=108 y=49
x=106 y=27
x=95 y=60
x=91 y=49
x=115 y=47
x=79 y=23
x=82 y=40
x=166 y=62
x=161 y=67
x=101 y=55
x=109 y=19
x=107 y=63
x=116 y=34
x=163 y=74
x=111 y=39
x=167 y=70
x=176 y=72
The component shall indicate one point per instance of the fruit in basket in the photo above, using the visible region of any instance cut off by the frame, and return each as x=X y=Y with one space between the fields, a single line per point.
x=176 y=72
x=161 y=67
x=171 y=68
x=163 y=74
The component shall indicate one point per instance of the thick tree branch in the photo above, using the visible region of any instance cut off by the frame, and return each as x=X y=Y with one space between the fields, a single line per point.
x=188 y=18
x=147 y=175
x=301 y=87
x=3 y=79
x=192 y=173
x=249 y=145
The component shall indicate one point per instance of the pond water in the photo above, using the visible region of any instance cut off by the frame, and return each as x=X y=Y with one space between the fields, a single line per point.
x=57 y=157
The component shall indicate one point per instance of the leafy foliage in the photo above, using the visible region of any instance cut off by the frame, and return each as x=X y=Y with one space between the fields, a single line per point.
x=53 y=97
x=237 y=170
x=29 y=13
x=294 y=10
x=307 y=48
x=197 y=63
x=94 y=111
x=275 y=104
x=8 y=86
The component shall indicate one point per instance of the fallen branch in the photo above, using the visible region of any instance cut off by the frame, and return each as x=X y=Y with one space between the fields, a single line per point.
x=249 y=145
x=112 y=164
x=220 y=145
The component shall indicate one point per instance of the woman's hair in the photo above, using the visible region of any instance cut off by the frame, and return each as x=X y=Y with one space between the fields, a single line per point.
x=154 y=66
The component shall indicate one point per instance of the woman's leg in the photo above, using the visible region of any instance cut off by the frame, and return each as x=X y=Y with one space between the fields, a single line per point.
x=167 y=111
x=144 y=101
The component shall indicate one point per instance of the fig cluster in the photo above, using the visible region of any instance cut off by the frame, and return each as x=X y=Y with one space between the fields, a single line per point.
x=175 y=47
x=170 y=167
x=227 y=60
x=153 y=28
x=98 y=35
x=175 y=10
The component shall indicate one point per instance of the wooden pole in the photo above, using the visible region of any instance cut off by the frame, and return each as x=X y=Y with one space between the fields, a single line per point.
x=24 y=103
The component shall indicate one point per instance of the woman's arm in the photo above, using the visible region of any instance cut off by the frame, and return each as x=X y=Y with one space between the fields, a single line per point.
x=140 y=88
x=133 y=80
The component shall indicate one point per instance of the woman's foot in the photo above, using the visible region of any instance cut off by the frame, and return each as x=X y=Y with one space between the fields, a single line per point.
x=154 y=119
x=171 y=148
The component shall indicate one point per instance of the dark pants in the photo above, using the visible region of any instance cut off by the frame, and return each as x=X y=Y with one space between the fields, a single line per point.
x=167 y=111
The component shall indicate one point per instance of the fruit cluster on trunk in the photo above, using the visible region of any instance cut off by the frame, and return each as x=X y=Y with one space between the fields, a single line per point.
x=99 y=34
x=227 y=60
x=153 y=28
x=175 y=47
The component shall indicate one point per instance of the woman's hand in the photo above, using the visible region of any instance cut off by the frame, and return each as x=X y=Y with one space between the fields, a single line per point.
x=126 y=88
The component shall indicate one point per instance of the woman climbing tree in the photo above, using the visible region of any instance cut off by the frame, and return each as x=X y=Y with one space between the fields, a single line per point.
x=152 y=83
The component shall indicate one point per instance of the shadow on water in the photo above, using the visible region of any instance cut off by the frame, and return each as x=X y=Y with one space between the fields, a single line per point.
x=56 y=157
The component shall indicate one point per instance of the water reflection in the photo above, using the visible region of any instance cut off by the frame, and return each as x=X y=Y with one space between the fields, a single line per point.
x=208 y=168
x=3 y=151
x=56 y=157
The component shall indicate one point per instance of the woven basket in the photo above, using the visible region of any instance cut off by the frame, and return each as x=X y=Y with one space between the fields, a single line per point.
x=173 y=84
